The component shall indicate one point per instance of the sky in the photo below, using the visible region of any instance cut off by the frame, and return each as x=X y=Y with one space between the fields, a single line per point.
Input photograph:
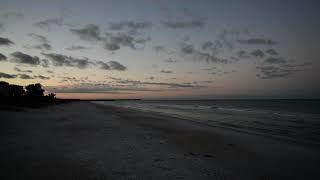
x=162 y=49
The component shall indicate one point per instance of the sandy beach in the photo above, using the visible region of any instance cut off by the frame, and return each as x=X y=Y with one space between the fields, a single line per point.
x=81 y=140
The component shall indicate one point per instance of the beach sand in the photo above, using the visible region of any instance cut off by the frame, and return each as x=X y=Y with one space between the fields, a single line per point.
x=81 y=140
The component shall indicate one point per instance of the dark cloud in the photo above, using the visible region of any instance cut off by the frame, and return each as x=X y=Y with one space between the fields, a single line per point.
x=272 y=52
x=111 y=46
x=114 y=41
x=90 y=32
x=258 y=41
x=76 y=48
x=5 y=42
x=188 y=49
x=48 y=23
x=3 y=57
x=117 y=66
x=44 y=63
x=20 y=70
x=206 y=45
x=130 y=26
x=272 y=60
x=257 y=53
x=166 y=72
x=44 y=46
x=189 y=24
x=42 y=77
x=275 y=68
x=62 y=60
x=25 y=76
x=103 y=65
x=243 y=54
x=162 y=49
x=7 y=76
x=19 y=57
x=39 y=38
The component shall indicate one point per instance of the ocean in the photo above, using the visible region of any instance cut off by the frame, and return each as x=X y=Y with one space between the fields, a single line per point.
x=291 y=120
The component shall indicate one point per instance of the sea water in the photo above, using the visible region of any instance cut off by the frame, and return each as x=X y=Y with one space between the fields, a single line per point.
x=294 y=120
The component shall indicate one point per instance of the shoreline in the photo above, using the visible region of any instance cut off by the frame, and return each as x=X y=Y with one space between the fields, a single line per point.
x=82 y=140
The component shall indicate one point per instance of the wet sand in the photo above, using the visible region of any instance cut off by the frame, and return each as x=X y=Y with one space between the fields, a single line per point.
x=81 y=140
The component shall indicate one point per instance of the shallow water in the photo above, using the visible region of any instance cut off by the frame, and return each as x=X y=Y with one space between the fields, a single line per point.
x=295 y=120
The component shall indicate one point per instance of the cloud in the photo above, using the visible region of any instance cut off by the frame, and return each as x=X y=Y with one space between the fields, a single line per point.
x=19 y=57
x=272 y=52
x=272 y=60
x=103 y=65
x=62 y=60
x=25 y=76
x=257 y=53
x=48 y=23
x=166 y=72
x=90 y=32
x=258 y=41
x=275 y=68
x=130 y=26
x=243 y=54
x=114 y=41
x=76 y=48
x=188 y=24
x=44 y=46
x=5 y=42
x=3 y=57
x=188 y=49
x=7 y=76
x=39 y=38
x=117 y=66
x=20 y=70
x=82 y=63
x=42 y=77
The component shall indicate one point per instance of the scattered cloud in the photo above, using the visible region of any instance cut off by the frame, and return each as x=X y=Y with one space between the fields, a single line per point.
x=257 y=41
x=90 y=33
x=3 y=57
x=272 y=52
x=62 y=60
x=272 y=60
x=25 y=76
x=117 y=66
x=275 y=68
x=48 y=23
x=7 y=76
x=188 y=49
x=257 y=53
x=42 y=77
x=5 y=42
x=166 y=72
x=129 y=26
x=20 y=70
x=19 y=57
x=76 y=48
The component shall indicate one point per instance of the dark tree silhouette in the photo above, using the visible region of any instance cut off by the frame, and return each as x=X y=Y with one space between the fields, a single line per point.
x=52 y=95
x=35 y=90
